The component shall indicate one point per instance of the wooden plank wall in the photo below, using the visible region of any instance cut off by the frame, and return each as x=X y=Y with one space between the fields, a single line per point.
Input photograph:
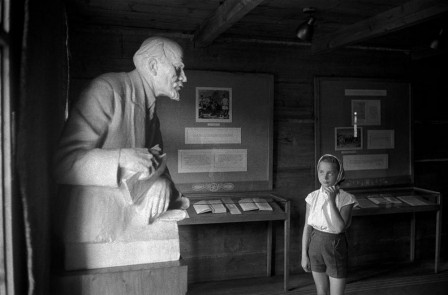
x=430 y=142
x=232 y=251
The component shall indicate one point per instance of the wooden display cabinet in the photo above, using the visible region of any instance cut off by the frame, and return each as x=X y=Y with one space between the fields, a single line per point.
x=280 y=212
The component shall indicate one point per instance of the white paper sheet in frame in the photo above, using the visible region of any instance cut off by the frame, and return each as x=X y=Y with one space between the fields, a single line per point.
x=212 y=135
x=212 y=160
x=380 y=139
x=365 y=162
x=365 y=92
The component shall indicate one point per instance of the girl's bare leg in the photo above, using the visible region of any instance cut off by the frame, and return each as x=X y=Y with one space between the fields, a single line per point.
x=322 y=283
x=337 y=286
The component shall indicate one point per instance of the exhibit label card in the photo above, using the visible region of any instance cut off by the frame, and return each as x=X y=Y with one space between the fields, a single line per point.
x=380 y=139
x=365 y=162
x=212 y=160
x=212 y=135
x=365 y=92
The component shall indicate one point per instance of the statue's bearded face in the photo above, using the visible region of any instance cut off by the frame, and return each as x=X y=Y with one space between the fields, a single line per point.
x=171 y=75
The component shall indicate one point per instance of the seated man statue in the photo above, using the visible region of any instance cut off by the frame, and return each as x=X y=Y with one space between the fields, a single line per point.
x=112 y=169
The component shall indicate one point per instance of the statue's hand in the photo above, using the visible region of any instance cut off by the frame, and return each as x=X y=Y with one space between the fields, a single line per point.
x=138 y=160
x=159 y=199
x=153 y=203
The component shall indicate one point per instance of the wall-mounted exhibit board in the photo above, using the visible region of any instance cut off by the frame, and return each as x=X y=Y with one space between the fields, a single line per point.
x=381 y=152
x=218 y=137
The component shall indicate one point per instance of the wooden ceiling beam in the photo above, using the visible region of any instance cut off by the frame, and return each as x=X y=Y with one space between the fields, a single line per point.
x=408 y=14
x=427 y=53
x=228 y=13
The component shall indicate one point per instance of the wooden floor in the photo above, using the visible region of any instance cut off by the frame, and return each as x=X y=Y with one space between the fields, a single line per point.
x=409 y=279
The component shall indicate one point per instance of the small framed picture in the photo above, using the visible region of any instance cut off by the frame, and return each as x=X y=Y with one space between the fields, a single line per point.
x=345 y=138
x=368 y=112
x=213 y=105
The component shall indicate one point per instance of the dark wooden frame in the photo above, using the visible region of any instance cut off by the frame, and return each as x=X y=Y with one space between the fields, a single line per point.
x=372 y=178
x=252 y=111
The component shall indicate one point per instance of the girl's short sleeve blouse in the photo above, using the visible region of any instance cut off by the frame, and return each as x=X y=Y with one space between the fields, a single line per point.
x=320 y=216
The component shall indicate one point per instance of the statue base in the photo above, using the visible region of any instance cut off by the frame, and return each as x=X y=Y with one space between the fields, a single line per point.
x=157 y=242
x=156 y=278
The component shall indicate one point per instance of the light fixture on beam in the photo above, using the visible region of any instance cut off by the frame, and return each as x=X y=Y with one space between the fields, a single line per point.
x=438 y=42
x=306 y=29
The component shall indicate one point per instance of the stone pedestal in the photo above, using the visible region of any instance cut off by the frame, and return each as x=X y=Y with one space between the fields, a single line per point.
x=156 y=243
x=155 y=279
x=153 y=243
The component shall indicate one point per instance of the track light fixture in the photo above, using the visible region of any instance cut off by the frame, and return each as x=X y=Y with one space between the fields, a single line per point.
x=306 y=29
x=438 y=42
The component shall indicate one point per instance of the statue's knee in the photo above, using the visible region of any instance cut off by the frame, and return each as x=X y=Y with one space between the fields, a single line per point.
x=162 y=184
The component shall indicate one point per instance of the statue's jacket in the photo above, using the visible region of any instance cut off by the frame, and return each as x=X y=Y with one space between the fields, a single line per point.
x=115 y=111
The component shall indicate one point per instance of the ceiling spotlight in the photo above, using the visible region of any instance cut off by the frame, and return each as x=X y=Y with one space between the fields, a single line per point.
x=437 y=42
x=305 y=30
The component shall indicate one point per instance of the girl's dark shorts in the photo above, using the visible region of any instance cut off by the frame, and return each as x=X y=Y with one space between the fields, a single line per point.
x=328 y=253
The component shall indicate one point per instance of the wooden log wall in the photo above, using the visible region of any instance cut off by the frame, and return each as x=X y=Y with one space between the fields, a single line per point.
x=222 y=252
x=430 y=141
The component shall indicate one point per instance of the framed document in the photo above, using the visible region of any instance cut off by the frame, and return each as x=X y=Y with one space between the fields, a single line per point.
x=380 y=139
x=381 y=155
x=222 y=137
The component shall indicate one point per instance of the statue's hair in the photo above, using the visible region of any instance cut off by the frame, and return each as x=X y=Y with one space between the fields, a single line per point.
x=157 y=48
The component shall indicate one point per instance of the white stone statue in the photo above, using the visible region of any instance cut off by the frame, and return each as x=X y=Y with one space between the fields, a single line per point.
x=120 y=199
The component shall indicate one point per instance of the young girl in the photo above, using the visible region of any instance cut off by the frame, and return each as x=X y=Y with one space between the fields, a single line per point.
x=328 y=215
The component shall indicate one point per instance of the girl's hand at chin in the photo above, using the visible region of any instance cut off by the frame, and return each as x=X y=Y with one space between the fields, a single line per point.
x=332 y=191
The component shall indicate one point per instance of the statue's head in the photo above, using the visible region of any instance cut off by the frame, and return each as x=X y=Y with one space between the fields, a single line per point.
x=159 y=61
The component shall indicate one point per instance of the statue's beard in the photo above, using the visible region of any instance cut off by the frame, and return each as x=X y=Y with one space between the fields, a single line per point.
x=177 y=86
x=175 y=95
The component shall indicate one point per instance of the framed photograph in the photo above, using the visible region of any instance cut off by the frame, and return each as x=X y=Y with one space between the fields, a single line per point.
x=345 y=139
x=213 y=105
